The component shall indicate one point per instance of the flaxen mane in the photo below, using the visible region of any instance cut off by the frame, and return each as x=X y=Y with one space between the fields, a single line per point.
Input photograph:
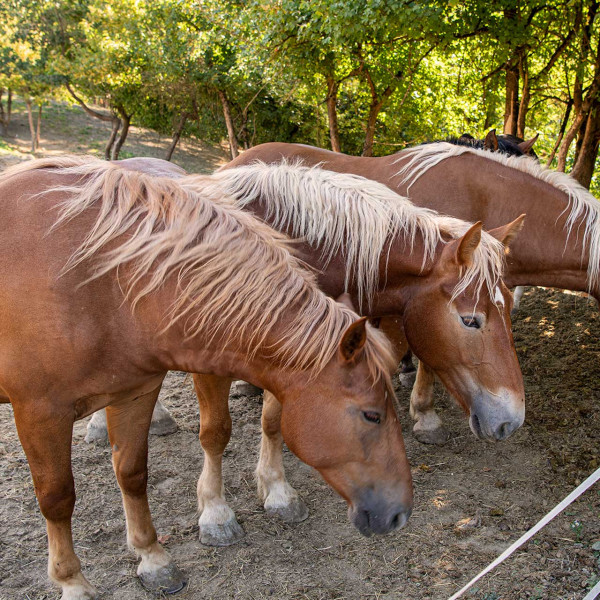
x=356 y=217
x=581 y=204
x=236 y=275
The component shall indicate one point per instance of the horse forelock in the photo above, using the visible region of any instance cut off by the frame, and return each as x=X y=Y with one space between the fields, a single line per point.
x=161 y=228
x=582 y=206
x=353 y=216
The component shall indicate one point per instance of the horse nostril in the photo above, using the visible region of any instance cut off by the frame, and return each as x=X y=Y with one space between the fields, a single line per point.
x=504 y=431
x=400 y=519
x=395 y=521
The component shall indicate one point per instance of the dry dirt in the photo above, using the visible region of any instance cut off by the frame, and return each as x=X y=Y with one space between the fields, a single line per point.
x=502 y=488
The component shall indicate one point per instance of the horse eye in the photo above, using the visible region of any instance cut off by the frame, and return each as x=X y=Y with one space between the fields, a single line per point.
x=470 y=322
x=372 y=416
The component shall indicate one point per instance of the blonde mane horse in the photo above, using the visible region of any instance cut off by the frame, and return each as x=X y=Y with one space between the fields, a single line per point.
x=428 y=269
x=111 y=278
x=558 y=247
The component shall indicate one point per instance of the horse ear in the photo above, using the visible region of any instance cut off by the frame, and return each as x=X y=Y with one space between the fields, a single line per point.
x=468 y=244
x=491 y=141
x=527 y=145
x=353 y=340
x=507 y=233
x=346 y=300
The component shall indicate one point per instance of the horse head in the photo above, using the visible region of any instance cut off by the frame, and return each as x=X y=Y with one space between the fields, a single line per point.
x=343 y=424
x=465 y=337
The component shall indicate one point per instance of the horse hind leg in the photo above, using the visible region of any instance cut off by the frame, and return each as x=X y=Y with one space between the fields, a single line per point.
x=128 y=425
x=279 y=497
x=47 y=445
x=217 y=523
x=428 y=427
x=162 y=424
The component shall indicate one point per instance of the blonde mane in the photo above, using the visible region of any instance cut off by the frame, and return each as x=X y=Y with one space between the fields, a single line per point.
x=235 y=275
x=580 y=203
x=354 y=216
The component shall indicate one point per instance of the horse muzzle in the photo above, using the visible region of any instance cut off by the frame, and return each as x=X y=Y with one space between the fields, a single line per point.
x=374 y=515
x=496 y=417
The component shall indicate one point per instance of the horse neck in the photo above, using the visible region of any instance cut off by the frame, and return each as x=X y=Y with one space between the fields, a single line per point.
x=400 y=263
x=175 y=349
x=476 y=188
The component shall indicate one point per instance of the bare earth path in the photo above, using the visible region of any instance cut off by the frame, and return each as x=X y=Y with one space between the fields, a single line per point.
x=472 y=499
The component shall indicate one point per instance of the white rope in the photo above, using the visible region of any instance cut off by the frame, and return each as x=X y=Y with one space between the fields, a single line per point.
x=588 y=483
x=594 y=593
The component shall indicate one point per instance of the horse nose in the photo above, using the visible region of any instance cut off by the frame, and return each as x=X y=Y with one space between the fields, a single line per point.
x=369 y=519
x=505 y=430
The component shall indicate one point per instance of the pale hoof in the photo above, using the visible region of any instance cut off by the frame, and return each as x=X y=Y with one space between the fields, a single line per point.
x=78 y=588
x=243 y=388
x=166 y=580
x=165 y=426
x=436 y=437
x=293 y=512
x=408 y=379
x=98 y=435
x=226 y=534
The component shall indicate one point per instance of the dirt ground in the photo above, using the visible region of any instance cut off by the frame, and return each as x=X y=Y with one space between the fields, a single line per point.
x=472 y=499
x=502 y=489
x=66 y=128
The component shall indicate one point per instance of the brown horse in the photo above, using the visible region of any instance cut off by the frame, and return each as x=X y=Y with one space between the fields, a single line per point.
x=110 y=278
x=559 y=245
x=437 y=274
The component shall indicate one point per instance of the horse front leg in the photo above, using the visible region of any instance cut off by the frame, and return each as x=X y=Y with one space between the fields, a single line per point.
x=217 y=522
x=162 y=424
x=279 y=497
x=428 y=427
x=45 y=432
x=128 y=425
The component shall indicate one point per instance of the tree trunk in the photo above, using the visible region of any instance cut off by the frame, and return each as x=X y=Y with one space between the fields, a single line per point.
x=374 y=111
x=334 y=132
x=9 y=107
x=511 y=103
x=3 y=126
x=586 y=160
x=176 y=135
x=38 y=129
x=31 y=125
x=233 y=145
x=108 y=149
x=561 y=133
x=126 y=120
x=525 y=96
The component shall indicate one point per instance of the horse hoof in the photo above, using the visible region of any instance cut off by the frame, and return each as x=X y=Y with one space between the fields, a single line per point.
x=436 y=437
x=165 y=426
x=97 y=435
x=293 y=512
x=166 y=580
x=228 y=533
x=407 y=380
x=243 y=388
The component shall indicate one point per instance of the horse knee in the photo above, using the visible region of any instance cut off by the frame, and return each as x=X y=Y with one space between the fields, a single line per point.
x=214 y=436
x=132 y=479
x=56 y=503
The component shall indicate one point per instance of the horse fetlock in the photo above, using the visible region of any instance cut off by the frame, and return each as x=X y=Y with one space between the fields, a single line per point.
x=77 y=588
x=218 y=526
x=284 y=502
x=97 y=430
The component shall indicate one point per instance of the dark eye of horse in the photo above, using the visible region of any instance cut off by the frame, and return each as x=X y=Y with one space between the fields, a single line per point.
x=372 y=416
x=470 y=322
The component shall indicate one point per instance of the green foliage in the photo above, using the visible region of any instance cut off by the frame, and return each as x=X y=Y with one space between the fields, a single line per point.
x=431 y=68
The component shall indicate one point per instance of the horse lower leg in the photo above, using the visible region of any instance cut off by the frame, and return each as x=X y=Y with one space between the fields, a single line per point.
x=428 y=428
x=394 y=330
x=217 y=523
x=279 y=497
x=517 y=295
x=128 y=425
x=47 y=445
